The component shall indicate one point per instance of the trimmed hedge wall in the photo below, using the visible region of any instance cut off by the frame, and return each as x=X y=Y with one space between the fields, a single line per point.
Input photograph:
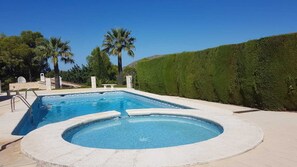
x=259 y=73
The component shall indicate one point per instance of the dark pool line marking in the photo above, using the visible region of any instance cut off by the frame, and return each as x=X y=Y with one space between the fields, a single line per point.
x=3 y=147
x=245 y=111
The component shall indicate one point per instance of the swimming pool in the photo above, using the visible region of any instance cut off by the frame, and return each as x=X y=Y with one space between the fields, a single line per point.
x=144 y=135
x=142 y=132
x=55 y=108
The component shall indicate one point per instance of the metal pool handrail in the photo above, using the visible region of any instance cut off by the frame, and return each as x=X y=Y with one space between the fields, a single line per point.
x=26 y=93
x=12 y=102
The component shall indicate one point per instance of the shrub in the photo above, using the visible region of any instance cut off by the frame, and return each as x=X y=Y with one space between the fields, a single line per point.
x=259 y=73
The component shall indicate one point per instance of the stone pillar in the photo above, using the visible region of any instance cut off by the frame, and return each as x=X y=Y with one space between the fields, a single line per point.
x=93 y=82
x=42 y=78
x=129 y=81
x=60 y=81
x=48 y=84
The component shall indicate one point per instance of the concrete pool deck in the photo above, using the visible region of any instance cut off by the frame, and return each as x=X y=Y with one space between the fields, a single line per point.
x=278 y=149
x=238 y=137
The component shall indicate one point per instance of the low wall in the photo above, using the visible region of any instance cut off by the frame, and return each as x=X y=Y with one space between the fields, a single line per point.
x=32 y=85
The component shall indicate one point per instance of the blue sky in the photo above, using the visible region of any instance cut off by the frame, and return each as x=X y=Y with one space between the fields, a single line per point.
x=160 y=26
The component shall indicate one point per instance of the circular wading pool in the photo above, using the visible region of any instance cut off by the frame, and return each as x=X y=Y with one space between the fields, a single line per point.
x=141 y=132
x=175 y=140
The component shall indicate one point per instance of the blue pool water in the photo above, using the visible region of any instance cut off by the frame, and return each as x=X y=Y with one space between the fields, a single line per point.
x=142 y=132
x=56 y=108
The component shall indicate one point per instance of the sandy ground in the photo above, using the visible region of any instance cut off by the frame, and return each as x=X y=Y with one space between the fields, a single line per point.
x=279 y=148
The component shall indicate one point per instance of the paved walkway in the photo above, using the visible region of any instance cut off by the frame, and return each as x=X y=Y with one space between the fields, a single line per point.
x=278 y=149
x=12 y=157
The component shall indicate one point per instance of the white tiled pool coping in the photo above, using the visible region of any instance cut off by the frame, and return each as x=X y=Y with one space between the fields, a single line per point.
x=47 y=146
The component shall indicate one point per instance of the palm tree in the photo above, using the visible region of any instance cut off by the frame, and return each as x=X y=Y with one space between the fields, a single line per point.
x=55 y=48
x=115 y=42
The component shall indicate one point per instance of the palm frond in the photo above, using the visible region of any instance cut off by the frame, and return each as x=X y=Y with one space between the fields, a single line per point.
x=117 y=40
x=55 y=48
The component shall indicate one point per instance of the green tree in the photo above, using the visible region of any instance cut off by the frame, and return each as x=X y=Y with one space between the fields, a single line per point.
x=113 y=72
x=34 y=64
x=115 y=42
x=55 y=48
x=18 y=57
x=11 y=52
x=77 y=74
x=100 y=65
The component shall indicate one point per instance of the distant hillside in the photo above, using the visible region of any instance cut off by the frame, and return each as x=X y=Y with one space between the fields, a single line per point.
x=259 y=73
x=147 y=58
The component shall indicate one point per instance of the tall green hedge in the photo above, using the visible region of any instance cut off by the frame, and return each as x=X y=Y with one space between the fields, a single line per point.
x=259 y=73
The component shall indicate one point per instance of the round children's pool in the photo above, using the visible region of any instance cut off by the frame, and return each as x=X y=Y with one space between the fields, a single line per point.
x=141 y=132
